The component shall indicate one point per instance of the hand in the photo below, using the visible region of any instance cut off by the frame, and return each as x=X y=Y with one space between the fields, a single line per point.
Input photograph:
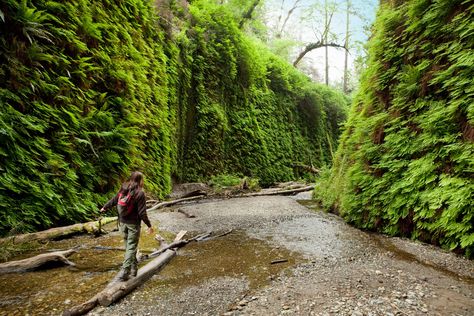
x=150 y=230
x=102 y=210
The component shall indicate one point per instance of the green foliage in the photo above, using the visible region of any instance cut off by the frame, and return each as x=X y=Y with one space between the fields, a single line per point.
x=224 y=181
x=405 y=162
x=249 y=112
x=83 y=102
x=91 y=90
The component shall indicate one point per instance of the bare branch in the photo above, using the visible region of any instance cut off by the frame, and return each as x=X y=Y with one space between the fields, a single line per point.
x=281 y=12
x=290 y=12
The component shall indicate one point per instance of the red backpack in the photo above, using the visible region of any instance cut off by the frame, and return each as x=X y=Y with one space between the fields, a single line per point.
x=125 y=204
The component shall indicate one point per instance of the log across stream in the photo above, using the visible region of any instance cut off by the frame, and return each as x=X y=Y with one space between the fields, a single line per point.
x=49 y=294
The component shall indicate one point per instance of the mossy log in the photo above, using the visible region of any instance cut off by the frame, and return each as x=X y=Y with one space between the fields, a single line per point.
x=60 y=232
x=42 y=261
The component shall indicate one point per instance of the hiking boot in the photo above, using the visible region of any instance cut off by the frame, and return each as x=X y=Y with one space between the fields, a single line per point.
x=122 y=276
x=133 y=271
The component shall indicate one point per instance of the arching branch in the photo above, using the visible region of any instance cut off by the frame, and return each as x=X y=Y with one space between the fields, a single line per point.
x=313 y=46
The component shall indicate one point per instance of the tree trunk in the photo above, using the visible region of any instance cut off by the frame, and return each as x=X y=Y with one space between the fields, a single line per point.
x=346 y=74
x=45 y=260
x=60 y=232
x=326 y=23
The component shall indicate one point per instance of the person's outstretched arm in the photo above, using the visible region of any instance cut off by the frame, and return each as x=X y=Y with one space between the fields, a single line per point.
x=113 y=202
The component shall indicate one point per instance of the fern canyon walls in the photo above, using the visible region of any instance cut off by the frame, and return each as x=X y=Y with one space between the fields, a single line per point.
x=92 y=90
x=405 y=163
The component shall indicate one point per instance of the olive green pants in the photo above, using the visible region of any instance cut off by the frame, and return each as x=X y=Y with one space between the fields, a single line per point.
x=131 y=235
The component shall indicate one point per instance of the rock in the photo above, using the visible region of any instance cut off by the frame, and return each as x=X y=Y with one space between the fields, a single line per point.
x=378 y=272
x=188 y=189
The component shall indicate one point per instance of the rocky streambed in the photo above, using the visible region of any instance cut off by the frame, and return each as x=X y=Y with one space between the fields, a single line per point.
x=283 y=256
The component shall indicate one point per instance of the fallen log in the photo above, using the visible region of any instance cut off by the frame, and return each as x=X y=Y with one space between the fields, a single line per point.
x=116 y=290
x=60 y=232
x=282 y=192
x=223 y=234
x=119 y=290
x=173 y=202
x=45 y=260
x=178 y=242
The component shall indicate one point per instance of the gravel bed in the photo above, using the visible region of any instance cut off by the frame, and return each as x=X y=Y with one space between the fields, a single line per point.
x=341 y=270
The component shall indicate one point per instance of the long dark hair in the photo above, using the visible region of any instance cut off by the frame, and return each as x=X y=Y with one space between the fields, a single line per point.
x=134 y=183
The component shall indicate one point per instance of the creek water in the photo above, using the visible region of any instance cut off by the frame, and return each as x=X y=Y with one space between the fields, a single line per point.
x=244 y=254
x=50 y=292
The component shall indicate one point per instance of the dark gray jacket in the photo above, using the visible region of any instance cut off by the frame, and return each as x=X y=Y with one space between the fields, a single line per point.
x=138 y=210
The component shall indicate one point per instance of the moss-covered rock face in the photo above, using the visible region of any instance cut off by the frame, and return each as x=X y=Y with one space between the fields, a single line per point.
x=405 y=164
x=91 y=90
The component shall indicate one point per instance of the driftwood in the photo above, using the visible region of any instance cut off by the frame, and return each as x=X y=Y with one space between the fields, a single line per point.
x=281 y=192
x=279 y=261
x=186 y=213
x=177 y=243
x=45 y=260
x=60 y=232
x=223 y=234
x=173 y=202
x=116 y=290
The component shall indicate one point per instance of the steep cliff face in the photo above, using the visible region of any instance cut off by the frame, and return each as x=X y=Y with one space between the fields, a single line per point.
x=90 y=90
x=405 y=163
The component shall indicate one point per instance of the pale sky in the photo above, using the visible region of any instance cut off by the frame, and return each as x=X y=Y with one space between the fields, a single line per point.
x=307 y=31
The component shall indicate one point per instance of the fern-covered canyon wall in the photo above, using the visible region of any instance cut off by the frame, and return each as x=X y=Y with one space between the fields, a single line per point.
x=405 y=163
x=91 y=90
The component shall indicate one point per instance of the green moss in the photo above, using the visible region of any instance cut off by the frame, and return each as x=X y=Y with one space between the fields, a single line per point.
x=405 y=163
x=91 y=90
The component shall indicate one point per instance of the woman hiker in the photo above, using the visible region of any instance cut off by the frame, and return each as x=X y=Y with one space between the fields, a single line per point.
x=131 y=205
